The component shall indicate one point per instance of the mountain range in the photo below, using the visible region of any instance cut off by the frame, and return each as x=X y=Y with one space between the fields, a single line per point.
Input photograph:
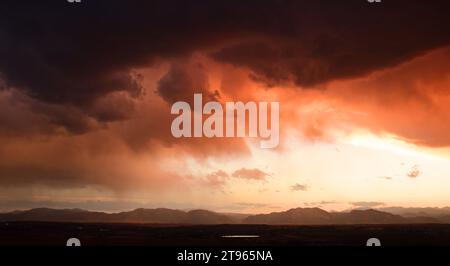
x=297 y=216
x=316 y=216
x=156 y=216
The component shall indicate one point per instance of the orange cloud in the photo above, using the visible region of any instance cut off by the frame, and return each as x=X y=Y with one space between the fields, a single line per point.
x=255 y=174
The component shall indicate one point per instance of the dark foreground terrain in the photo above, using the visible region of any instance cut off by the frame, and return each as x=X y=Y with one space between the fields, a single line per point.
x=95 y=234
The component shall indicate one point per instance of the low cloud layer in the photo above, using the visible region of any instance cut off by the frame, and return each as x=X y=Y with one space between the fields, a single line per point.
x=367 y=204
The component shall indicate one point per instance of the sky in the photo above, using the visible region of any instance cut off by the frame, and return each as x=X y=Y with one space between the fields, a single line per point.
x=86 y=95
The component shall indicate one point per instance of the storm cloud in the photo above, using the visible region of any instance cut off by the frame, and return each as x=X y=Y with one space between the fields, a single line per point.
x=58 y=53
x=86 y=89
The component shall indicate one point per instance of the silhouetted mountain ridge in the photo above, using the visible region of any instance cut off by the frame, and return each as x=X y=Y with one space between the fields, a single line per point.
x=292 y=216
x=316 y=216
x=296 y=216
x=414 y=212
x=159 y=216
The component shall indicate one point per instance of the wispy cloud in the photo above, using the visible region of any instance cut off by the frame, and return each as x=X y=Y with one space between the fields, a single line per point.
x=299 y=187
x=255 y=174
x=367 y=204
x=385 y=177
x=414 y=172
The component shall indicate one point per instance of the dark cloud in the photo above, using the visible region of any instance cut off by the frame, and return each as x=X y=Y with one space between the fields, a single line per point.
x=74 y=69
x=182 y=81
x=17 y=119
x=72 y=119
x=328 y=40
x=59 y=53
x=64 y=54
x=22 y=115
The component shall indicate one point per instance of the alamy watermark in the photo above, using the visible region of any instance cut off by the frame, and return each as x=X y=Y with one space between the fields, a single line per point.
x=235 y=125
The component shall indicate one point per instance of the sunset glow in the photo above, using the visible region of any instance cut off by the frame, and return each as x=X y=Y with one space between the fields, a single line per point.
x=364 y=119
